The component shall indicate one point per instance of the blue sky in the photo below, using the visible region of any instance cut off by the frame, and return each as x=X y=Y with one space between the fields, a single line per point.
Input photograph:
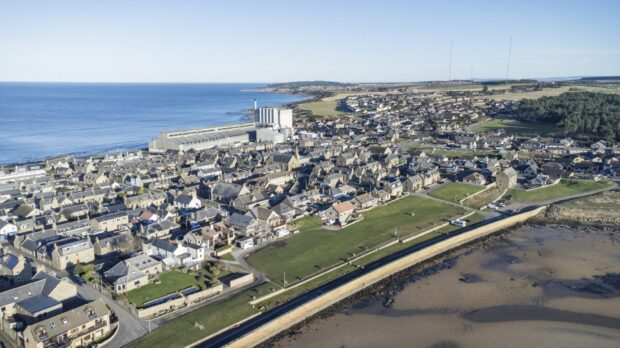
x=268 y=41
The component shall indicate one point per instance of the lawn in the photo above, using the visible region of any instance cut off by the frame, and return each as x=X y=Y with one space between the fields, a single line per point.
x=564 y=189
x=311 y=251
x=514 y=127
x=228 y=257
x=455 y=191
x=483 y=198
x=183 y=331
x=292 y=293
x=171 y=281
x=325 y=108
x=307 y=223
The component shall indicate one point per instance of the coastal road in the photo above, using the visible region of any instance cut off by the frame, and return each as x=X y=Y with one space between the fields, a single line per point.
x=256 y=322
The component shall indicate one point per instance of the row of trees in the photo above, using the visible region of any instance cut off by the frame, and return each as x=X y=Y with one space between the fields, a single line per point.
x=580 y=114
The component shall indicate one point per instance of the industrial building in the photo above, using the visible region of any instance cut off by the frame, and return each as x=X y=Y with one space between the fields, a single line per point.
x=273 y=125
x=203 y=138
x=274 y=117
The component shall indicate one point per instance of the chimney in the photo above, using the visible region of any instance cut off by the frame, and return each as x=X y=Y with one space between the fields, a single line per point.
x=255 y=104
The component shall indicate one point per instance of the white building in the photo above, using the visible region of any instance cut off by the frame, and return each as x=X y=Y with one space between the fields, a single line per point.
x=275 y=117
x=7 y=229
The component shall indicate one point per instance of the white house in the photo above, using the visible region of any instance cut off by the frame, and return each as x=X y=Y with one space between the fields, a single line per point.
x=187 y=202
x=245 y=243
x=176 y=254
x=7 y=229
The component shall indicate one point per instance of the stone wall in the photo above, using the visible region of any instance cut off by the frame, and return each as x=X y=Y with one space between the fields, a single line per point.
x=167 y=306
x=201 y=295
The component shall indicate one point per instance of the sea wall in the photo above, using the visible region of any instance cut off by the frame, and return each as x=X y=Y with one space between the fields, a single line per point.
x=309 y=309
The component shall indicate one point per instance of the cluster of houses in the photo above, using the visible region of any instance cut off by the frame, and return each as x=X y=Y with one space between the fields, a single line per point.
x=45 y=311
x=136 y=214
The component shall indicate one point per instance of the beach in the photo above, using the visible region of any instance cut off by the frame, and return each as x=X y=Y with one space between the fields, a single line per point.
x=534 y=286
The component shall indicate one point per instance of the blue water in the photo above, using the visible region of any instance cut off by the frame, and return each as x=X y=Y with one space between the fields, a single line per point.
x=40 y=120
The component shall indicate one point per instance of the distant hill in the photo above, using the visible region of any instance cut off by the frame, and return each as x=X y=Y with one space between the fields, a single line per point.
x=600 y=78
x=300 y=84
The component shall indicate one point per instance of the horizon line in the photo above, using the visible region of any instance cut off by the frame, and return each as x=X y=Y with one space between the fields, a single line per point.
x=474 y=79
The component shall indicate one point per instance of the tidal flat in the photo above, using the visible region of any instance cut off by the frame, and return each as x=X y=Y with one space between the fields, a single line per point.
x=537 y=286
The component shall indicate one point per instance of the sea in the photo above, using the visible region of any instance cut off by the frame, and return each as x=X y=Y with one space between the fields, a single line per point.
x=43 y=120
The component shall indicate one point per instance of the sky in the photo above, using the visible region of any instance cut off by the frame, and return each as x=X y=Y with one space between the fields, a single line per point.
x=276 y=41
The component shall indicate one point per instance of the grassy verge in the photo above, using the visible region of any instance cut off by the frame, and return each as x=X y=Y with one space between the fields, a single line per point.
x=308 y=252
x=455 y=191
x=514 y=127
x=292 y=293
x=183 y=331
x=322 y=108
x=483 y=198
x=563 y=189
x=228 y=257
x=170 y=282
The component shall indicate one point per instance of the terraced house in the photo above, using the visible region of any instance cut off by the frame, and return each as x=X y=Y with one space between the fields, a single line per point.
x=78 y=327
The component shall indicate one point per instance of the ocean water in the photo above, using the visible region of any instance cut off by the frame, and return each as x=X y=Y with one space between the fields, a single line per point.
x=40 y=120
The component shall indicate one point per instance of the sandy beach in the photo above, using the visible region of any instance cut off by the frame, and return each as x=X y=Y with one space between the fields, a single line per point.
x=537 y=286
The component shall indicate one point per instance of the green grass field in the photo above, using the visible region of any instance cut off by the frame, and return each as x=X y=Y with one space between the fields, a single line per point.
x=482 y=199
x=322 y=108
x=228 y=257
x=183 y=331
x=171 y=281
x=455 y=191
x=514 y=127
x=564 y=189
x=307 y=223
x=311 y=251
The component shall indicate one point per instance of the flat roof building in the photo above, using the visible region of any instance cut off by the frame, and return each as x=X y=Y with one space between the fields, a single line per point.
x=203 y=138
